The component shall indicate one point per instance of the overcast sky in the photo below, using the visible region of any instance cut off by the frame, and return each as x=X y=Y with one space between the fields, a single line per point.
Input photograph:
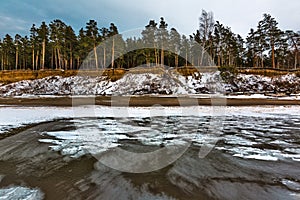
x=17 y=16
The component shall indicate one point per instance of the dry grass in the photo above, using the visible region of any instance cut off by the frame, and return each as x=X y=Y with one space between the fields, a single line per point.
x=187 y=71
x=116 y=74
x=144 y=70
x=14 y=76
x=265 y=72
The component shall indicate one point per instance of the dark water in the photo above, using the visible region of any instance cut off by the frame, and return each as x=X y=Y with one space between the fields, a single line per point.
x=245 y=158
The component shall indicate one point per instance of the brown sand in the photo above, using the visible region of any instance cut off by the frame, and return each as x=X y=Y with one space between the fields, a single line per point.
x=145 y=101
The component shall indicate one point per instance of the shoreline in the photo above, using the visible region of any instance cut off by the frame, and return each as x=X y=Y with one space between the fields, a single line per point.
x=143 y=101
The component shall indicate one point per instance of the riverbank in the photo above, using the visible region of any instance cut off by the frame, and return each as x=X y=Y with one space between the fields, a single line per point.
x=145 y=101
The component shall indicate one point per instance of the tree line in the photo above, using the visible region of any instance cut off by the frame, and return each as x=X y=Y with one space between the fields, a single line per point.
x=57 y=46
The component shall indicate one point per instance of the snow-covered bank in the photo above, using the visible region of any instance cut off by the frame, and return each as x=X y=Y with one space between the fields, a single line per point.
x=251 y=84
x=168 y=83
x=131 y=84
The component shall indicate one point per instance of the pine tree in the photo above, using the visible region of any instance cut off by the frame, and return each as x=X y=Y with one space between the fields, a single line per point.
x=294 y=42
x=43 y=34
x=150 y=41
x=57 y=37
x=175 y=42
x=92 y=33
x=25 y=51
x=162 y=36
x=71 y=43
x=272 y=34
x=17 y=47
x=33 y=41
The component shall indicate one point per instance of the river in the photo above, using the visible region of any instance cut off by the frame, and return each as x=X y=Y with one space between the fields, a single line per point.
x=227 y=153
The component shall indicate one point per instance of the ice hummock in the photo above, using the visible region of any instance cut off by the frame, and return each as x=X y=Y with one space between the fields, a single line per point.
x=18 y=192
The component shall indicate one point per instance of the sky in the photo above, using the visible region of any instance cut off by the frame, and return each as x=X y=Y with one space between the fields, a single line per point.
x=17 y=16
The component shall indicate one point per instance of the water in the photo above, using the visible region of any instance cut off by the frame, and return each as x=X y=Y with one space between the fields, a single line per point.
x=246 y=156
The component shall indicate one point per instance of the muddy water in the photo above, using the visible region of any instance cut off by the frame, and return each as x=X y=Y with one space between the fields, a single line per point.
x=253 y=158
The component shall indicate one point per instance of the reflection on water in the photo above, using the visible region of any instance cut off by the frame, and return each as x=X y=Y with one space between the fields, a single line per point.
x=253 y=157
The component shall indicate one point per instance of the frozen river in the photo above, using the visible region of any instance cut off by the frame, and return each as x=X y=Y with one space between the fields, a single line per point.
x=210 y=153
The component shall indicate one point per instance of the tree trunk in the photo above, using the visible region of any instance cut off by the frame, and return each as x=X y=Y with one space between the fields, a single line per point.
x=23 y=62
x=2 y=62
x=96 y=57
x=148 y=58
x=37 y=59
x=176 y=61
x=52 y=59
x=59 y=58
x=33 y=57
x=112 y=53
x=43 y=53
x=55 y=58
x=66 y=64
x=296 y=59
x=155 y=55
x=104 y=57
x=186 y=58
x=273 y=56
x=17 y=58
x=201 y=58
x=162 y=56
x=71 y=62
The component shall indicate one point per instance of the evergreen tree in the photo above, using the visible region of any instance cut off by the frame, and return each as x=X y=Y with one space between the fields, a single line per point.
x=272 y=33
x=175 y=43
x=92 y=33
x=43 y=34
x=71 y=43
x=293 y=40
x=9 y=52
x=162 y=37
x=17 y=48
x=150 y=41
x=57 y=37
x=185 y=49
x=33 y=41
x=25 y=51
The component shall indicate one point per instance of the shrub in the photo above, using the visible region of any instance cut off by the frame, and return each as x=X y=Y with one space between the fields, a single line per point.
x=228 y=73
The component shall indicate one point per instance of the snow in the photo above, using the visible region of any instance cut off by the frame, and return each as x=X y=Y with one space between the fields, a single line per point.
x=251 y=84
x=18 y=192
x=291 y=184
x=166 y=83
x=257 y=157
x=99 y=135
x=12 y=117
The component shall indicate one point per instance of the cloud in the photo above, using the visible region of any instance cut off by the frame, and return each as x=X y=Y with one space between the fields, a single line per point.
x=240 y=15
x=12 y=25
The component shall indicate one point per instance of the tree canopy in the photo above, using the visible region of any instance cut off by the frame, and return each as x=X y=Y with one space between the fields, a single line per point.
x=57 y=46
